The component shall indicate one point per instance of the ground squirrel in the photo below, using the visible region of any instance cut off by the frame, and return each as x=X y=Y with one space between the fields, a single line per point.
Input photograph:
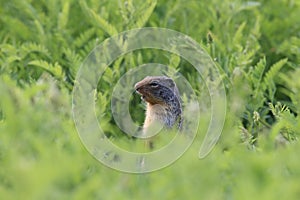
x=163 y=101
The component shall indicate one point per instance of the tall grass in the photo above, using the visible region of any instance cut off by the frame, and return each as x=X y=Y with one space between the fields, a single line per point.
x=254 y=44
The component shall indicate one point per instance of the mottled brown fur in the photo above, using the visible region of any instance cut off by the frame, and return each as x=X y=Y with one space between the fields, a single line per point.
x=163 y=101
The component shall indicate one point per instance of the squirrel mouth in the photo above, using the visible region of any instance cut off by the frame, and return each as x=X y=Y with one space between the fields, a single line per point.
x=142 y=95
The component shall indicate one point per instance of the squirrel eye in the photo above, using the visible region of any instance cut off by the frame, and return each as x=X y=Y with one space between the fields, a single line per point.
x=153 y=84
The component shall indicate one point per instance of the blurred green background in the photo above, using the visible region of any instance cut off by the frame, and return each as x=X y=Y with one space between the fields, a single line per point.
x=255 y=44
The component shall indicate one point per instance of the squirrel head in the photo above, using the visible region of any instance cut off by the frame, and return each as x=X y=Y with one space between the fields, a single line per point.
x=157 y=89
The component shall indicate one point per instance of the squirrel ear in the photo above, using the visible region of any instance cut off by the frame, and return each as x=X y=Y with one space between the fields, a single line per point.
x=171 y=83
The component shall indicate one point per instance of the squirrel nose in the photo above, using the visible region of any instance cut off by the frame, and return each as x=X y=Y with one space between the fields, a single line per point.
x=137 y=87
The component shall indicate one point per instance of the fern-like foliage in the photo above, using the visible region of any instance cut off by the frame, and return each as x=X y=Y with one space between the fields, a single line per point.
x=257 y=74
x=286 y=123
x=292 y=88
x=143 y=14
x=71 y=62
x=97 y=20
x=84 y=37
x=31 y=47
x=135 y=15
x=269 y=79
x=54 y=69
x=255 y=77
x=63 y=17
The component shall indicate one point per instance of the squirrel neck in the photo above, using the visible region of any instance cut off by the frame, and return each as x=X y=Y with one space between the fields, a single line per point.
x=167 y=114
x=163 y=101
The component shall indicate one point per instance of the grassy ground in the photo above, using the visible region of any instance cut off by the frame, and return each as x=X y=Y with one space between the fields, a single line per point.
x=255 y=45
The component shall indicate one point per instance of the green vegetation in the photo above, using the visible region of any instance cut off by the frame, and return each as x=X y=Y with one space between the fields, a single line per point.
x=256 y=45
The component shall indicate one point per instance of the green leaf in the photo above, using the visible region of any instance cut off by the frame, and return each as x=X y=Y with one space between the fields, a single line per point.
x=30 y=47
x=238 y=37
x=84 y=37
x=142 y=15
x=55 y=70
x=64 y=15
x=97 y=20
x=269 y=79
x=257 y=74
x=174 y=61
